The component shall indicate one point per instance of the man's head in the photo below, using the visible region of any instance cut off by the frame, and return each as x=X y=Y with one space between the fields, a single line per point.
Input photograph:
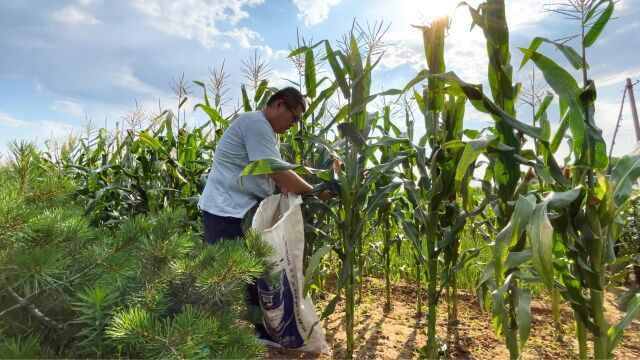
x=284 y=109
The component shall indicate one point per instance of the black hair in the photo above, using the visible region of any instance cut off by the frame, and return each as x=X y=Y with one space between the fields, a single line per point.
x=291 y=97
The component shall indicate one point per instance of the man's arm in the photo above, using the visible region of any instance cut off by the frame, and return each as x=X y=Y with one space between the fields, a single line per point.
x=289 y=181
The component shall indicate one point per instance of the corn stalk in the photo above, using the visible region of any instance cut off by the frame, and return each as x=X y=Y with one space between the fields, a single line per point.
x=590 y=225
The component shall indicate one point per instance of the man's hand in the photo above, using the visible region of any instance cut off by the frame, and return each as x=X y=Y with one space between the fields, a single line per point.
x=325 y=195
x=288 y=181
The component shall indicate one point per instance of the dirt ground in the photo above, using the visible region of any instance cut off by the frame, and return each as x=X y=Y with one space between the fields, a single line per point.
x=396 y=334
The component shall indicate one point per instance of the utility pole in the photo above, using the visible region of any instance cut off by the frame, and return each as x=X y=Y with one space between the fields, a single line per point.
x=615 y=132
x=634 y=111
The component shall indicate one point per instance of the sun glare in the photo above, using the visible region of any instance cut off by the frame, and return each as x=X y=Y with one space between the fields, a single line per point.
x=433 y=9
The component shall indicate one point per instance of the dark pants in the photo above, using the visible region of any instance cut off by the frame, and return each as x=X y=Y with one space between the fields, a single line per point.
x=224 y=227
x=221 y=227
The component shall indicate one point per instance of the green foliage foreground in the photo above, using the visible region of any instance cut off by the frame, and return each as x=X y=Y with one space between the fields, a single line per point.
x=145 y=288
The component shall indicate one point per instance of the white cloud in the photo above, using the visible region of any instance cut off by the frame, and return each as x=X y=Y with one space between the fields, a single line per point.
x=617 y=79
x=269 y=54
x=403 y=53
x=281 y=54
x=13 y=129
x=71 y=15
x=242 y=36
x=198 y=19
x=524 y=13
x=623 y=4
x=634 y=26
x=124 y=77
x=606 y=117
x=7 y=121
x=69 y=107
x=279 y=77
x=87 y=2
x=314 y=11
x=54 y=129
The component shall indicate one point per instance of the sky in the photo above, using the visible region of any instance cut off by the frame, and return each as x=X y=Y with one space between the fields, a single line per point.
x=67 y=61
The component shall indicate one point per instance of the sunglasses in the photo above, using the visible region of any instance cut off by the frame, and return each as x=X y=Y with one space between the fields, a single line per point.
x=296 y=118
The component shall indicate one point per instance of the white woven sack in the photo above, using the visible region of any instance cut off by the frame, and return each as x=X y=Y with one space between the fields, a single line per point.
x=288 y=316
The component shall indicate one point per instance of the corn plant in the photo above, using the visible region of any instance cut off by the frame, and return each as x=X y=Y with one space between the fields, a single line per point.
x=359 y=169
x=590 y=225
x=538 y=98
x=444 y=124
x=510 y=304
x=409 y=210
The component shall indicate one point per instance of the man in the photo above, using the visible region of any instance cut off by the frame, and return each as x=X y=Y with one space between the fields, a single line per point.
x=250 y=137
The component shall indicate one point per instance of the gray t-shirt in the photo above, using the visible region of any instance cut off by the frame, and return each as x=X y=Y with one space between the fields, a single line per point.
x=248 y=138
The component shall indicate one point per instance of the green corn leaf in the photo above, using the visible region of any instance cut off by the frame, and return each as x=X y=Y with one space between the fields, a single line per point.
x=472 y=150
x=410 y=231
x=484 y=104
x=262 y=88
x=340 y=115
x=562 y=129
x=338 y=71
x=521 y=215
x=265 y=97
x=350 y=131
x=540 y=234
x=499 y=311
x=182 y=101
x=423 y=74
x=511 y=233
x=596 y=29
x=330 y=308
x=487 y=275
x=567 y=89
x=541 y=116
x=390 y=141
x=533 y=47
x=569 y=53
x=515 y=259
x=375 y=200
x=414 y=197
x=419 y=101
x=559 y=200
x=154 y=143
x=303 y=49
x=623 y=178
x=246 y=105
x=374 y=173
x=314 y=261
x=313 y=139
x=214 y=116
x=310 y=73
x=321 y=99
x=204 y=91
x=270 y=166
x=615 y=331
x=298 y=51
x=523 y=315
x=466 y=258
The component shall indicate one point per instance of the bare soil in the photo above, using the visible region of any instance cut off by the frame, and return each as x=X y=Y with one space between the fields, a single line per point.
x=399 y=332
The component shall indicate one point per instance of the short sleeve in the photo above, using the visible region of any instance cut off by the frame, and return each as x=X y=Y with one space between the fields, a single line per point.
x=260 y=140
